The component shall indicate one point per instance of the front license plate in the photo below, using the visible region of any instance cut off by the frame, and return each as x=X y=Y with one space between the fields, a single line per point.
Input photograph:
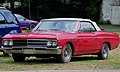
x=28 y=51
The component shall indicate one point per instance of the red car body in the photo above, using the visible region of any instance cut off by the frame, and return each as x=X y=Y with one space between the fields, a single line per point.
x=81 y=42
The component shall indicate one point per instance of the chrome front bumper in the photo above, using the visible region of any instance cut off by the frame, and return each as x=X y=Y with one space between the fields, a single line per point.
x=30 y=50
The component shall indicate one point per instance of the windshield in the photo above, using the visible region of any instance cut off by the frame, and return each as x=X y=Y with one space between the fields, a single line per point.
x=19 y=16
x=58 y=25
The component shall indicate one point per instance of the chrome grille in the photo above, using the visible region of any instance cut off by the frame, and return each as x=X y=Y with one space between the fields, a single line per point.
x=39 y=42
x=31 y=42
x=19 y=42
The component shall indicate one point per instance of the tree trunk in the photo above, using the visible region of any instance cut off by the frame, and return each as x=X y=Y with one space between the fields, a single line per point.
x=12 y=6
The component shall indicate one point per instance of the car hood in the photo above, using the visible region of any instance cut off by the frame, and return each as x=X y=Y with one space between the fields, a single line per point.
x=36 y=35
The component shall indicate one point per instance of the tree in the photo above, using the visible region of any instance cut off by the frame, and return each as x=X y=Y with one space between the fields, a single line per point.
x=12 y=2
x=59 y=8
x=2 y=1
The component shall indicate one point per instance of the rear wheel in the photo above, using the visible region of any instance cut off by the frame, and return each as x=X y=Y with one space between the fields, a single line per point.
x=31 y=26
x=66 y=54
x=103 y=54
x=18 y=57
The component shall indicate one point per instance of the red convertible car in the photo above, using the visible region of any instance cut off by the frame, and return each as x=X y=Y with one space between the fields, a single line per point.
x=61 y=38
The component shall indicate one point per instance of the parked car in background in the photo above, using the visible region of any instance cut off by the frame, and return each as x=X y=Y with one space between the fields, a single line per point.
x=3 y=8
x=8 y=24
x=61 y=38
x=24 y=22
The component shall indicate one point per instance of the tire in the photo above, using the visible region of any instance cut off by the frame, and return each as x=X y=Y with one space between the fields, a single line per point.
x=103 y=54
x=18 y=57
x=5 y=54
x=66 y=55
x=31 y=26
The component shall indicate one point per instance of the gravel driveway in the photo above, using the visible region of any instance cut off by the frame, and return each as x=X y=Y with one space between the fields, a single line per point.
x=110 y=27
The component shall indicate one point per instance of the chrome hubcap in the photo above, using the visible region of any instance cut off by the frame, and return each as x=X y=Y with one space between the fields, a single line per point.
x=105 y=52
x=67 y=53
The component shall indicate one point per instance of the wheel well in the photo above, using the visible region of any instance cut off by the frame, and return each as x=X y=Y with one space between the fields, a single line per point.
x=32 y=23
x=108 y=45
x=71 y=47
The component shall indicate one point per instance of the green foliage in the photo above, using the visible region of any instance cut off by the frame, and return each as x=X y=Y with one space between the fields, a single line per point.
x=24 y=3
x=2 y=1
x=62 y=8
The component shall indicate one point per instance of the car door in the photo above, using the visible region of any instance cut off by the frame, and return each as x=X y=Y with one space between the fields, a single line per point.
x=3 y=26
x=13 y=25
x=87 y=37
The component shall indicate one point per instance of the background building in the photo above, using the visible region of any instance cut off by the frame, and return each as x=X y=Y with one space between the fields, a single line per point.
x=111 y=11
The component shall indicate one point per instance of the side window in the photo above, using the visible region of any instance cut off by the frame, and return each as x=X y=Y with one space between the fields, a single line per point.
x=87 y=27
x=2 y=19
x=11 y=19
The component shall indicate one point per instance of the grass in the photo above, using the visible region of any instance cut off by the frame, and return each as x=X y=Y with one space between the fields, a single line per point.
x=89 y=61
x=79 y=62
x=112 y=62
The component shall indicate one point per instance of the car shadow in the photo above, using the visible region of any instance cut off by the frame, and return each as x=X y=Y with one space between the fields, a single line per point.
x=55 y=61
x=38 y=61
x=84 y=58
x=43 y=60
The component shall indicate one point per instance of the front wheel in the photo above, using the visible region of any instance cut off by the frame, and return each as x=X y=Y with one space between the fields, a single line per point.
x=66 y=54
x=18 y=57
x=103 y=54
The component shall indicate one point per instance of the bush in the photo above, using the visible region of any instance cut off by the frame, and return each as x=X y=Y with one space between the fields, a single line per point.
x=104 y=22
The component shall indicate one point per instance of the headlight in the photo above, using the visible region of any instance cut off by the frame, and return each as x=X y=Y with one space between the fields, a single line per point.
x=52 y=43
x=8 y=42
x=49 y=43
